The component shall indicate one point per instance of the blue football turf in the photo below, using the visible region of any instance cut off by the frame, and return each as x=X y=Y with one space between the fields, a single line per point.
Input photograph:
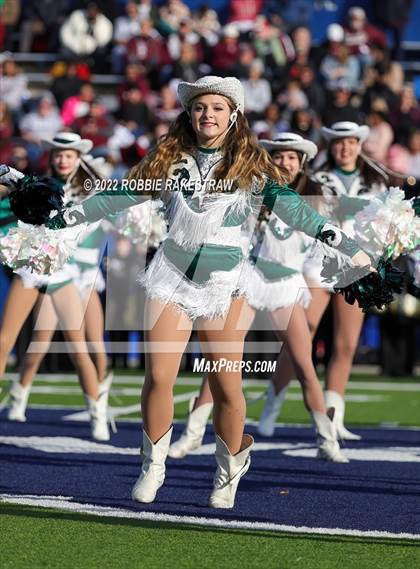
x=362 y=495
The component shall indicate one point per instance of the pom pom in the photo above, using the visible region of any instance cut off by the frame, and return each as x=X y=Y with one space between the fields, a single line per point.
x=34 y=198
x=372 y=289
x=142 y=224
x=40 y=250
x=388 y=226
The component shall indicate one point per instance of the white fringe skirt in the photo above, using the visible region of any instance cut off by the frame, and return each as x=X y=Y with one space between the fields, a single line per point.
x=263 y=294
x=165 y=282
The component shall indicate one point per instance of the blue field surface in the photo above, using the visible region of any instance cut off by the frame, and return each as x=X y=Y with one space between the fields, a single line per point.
x=378 y=490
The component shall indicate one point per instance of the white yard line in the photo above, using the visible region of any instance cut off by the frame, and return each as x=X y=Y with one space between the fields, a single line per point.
x=182 y=380
x=64 y=503
x=126 y=409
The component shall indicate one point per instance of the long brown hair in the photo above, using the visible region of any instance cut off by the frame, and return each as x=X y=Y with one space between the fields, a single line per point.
x=245 y=162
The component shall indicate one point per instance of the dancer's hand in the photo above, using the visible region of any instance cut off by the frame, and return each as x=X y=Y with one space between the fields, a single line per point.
x=9 y=174
x=362 y=259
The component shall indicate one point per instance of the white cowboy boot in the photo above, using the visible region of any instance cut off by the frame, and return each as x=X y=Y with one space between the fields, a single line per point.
x=193 y=434
x=98 y=417
x=152 y=473
x=328 y=447
x=105 y=385
x=272 y=407
x=230 y=470
x=18 y=402
x=334 y=399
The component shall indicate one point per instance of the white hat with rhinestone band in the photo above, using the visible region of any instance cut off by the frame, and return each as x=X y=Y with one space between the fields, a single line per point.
x=229 y=87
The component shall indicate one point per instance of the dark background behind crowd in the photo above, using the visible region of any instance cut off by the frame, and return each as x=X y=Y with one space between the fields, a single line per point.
x=109 y=70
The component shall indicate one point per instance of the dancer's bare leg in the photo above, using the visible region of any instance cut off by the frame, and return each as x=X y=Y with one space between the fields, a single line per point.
x=348 y=321
x=46 y=319
x=94 y=325
x=319 y=302
x=19 y=304
x=166 y=341
x=298 y=343
x=224 y=340
x=205 y=395
x=69 y=309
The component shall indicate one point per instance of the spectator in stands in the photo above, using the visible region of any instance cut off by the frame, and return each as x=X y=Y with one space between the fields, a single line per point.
x=149 y=49
x=414 y=150
x=10 y=12
x=19 y=159
x=271 y=123
x=257 y=91
x=306 y=123
x=272 y=45
x=360 y=36
x=338 y=106
x=380 y=88
x=171 y=14
x=225 y=54
x=96 y=126
x=186 y=68
x=393 y=14
x=87 y=33
x=135 y=73
x=338 y=64
x=167 y=107
x=206 y=24
x=42 y=18
x=78 y=105
x=6 y=132
x=13 y=83
x=312 y=89
x=133 y=112
x=243 y=14
x=184 y=35
x=302 y=42
x=66 y=82
x=406 y=115
x=381 y=134
x=125 y=28
x=6 y=121
x=245 y=59
x=40 y=124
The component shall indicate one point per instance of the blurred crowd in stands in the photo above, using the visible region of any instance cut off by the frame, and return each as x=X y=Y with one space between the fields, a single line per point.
x=145 y=47
x=290 y=84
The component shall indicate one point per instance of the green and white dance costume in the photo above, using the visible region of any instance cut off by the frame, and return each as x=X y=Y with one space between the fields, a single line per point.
x=200 y=265
x=274 y=270
x=345 y=194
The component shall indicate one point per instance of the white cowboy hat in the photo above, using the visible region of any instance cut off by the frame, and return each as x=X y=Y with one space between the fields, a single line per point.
x=229 y=87
x=291 y=141
x=344 y=129
x=69 y=141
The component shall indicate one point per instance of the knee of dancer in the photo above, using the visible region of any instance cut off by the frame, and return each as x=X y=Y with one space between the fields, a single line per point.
x=5 y=345
x=345 y=350
x=159 y=377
